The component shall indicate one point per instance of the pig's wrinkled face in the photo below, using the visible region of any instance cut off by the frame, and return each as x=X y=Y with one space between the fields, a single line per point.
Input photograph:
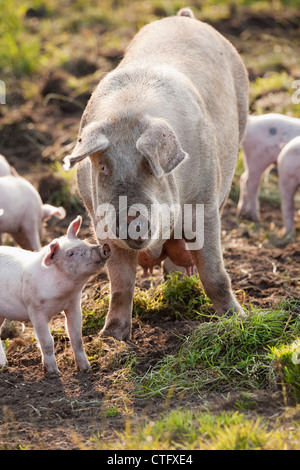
x=124 y=192
x=129 y=191
x=131 y=163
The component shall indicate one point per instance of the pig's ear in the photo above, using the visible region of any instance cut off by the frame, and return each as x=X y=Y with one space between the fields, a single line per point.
x=74 y=227
x=160 y=146
x=50 y=256
x=92 y=140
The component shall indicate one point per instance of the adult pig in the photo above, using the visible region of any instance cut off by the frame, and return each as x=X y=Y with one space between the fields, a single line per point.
x=265 y=137
x=164 y=128
x=24 y=212
x=289 y=182
x=36 y=286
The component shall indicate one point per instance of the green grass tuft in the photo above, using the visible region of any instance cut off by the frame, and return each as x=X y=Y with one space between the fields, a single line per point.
x=179 y=297
x=228 y=353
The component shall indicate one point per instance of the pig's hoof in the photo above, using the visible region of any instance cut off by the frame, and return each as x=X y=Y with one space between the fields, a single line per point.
x=236 y=310
x=116 y=332
x=51 y=373
x=84 y=368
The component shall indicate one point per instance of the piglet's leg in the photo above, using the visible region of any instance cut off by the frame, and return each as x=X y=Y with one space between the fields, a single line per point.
x=74 y=325
x=288 y=185
x=122 y=271
x=45 y=340
x=2 y=352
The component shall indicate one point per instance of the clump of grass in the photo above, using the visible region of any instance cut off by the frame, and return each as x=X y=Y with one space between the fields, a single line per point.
x=246 y=401
x=231 y=352
x=184 y=429
x=287 y=357
x=179 y=297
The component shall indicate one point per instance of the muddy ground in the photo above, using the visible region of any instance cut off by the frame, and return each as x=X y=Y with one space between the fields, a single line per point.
x=40 y=412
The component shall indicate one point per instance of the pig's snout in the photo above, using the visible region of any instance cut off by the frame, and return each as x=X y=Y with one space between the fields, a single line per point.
x=134 y=230
x=100 y=253
x=105 y=251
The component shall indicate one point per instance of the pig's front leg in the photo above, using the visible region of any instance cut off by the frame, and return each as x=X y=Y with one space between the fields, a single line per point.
x=45 y=340
x=74 y=327
x=210 y=265
x=122 y=272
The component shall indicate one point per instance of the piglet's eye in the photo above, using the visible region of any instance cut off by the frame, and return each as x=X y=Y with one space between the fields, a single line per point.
x=71 y=253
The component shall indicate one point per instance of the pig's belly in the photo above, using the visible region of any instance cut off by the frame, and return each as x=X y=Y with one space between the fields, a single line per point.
x=12 y=309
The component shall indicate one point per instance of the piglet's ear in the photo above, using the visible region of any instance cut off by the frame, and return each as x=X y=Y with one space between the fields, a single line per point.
x=161 y=147
x=91 y=140
x=50 y=256
x=74 y=227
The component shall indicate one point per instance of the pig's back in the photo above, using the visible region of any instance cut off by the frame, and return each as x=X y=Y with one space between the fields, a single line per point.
x=200 y=53
x=214 y=69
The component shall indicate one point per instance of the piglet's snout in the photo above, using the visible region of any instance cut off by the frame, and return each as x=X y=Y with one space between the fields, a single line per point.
x=100 y=253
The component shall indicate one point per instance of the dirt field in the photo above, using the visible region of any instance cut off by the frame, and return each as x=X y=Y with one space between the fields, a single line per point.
x=38 y=412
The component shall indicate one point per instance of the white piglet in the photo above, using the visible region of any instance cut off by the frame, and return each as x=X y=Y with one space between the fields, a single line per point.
x=24 y=212
x=289 y=182
x=265 y=137
x=36 y=286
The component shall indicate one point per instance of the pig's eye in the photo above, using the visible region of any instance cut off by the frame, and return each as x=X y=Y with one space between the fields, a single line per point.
x=103 y=169
x=147 y=167
x=70 y=253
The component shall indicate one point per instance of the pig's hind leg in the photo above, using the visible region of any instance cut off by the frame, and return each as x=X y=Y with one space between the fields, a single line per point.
x=210 y=265
x=28 y=238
